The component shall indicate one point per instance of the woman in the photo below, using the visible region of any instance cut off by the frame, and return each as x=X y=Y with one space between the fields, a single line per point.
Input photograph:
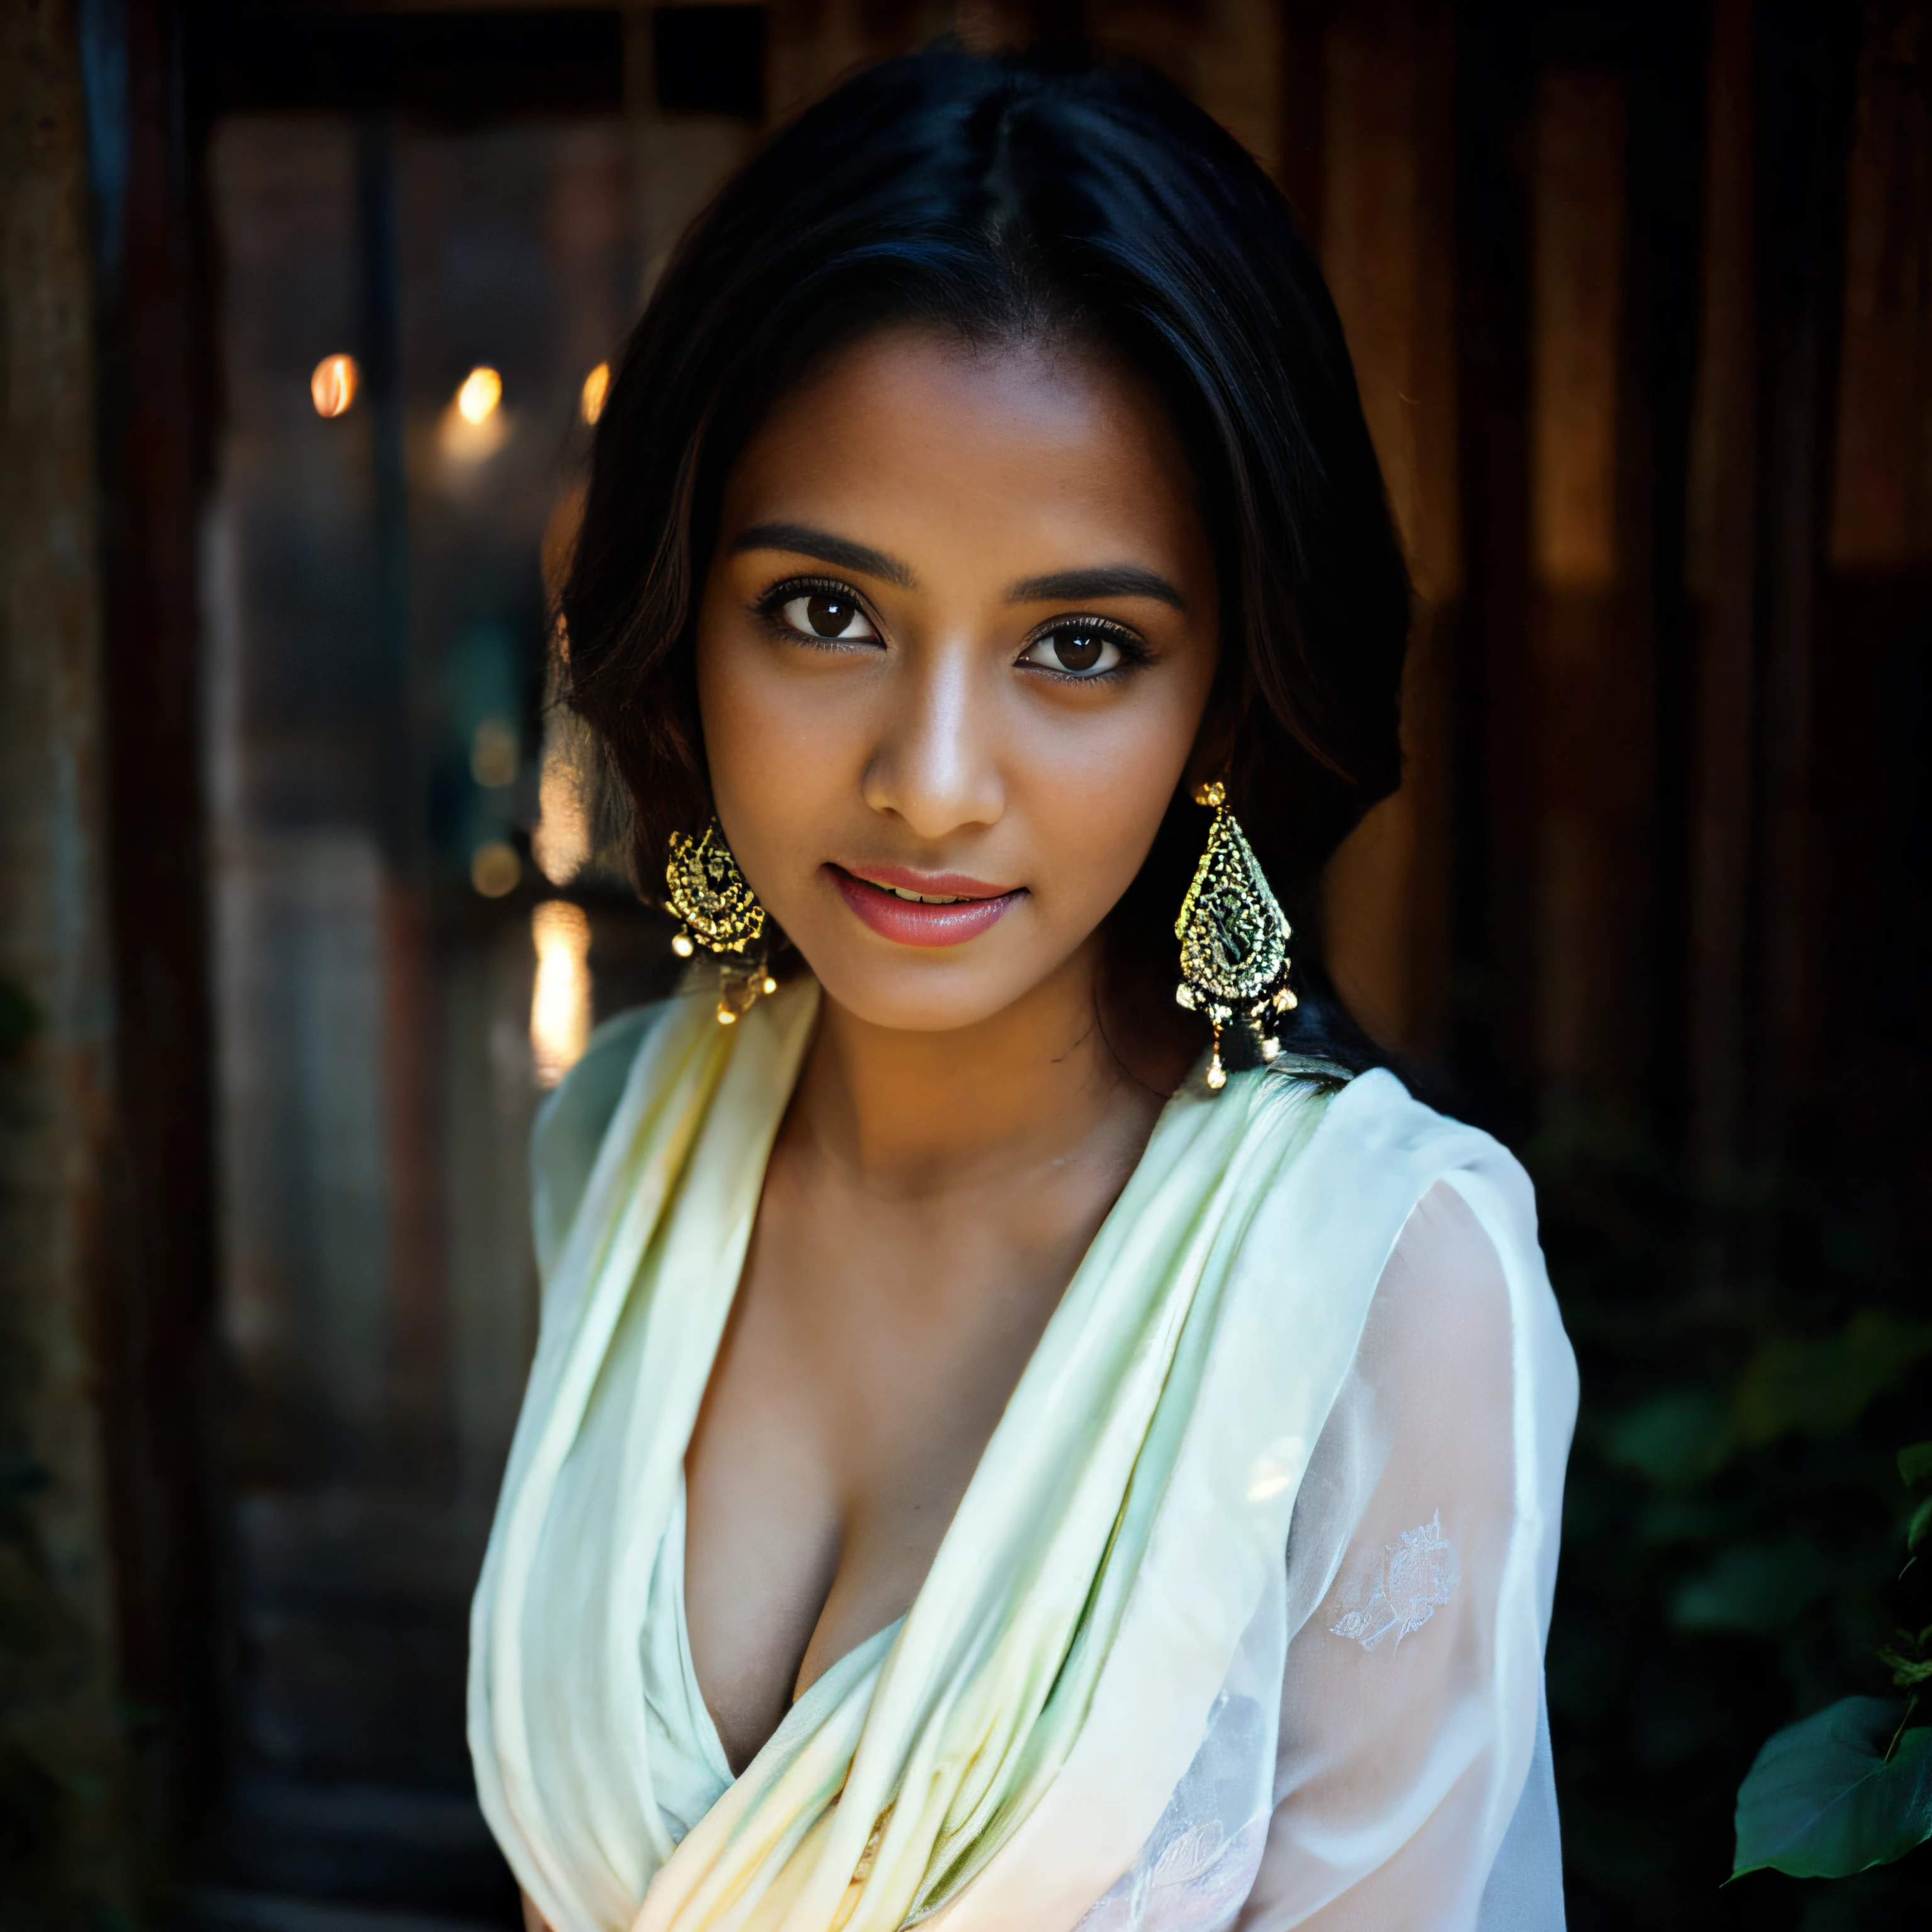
x=1010 y=1444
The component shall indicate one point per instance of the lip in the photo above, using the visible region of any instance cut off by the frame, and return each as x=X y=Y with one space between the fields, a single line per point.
x=981 y=905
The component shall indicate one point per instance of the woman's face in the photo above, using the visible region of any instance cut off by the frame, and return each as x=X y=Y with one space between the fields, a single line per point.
x=955 y=647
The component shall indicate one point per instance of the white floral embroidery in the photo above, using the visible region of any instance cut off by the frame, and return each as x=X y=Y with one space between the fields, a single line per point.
x=1198 y=1866
x=1403 y=1587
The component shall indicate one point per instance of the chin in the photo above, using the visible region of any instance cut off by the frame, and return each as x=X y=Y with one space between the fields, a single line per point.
x=930 y=996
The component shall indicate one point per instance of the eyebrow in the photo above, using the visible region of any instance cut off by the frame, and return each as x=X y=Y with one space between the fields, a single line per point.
x=841 y=552
x=1059 y=586
x=1112 y=580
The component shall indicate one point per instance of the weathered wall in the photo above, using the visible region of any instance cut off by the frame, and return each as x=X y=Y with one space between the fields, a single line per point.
x=60 y=1742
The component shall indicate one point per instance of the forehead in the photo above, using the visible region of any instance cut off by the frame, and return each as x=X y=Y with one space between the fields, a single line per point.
x=950 y=443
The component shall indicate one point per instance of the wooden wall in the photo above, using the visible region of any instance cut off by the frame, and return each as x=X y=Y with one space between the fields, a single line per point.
x=1640 y=300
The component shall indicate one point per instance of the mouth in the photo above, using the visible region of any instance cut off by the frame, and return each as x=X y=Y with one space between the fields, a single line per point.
x=923 y=908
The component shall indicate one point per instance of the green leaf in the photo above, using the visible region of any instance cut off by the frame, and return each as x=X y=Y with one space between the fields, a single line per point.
x=1909 y=1673
x=1821 y=1802
x=1820 y=1387
x=1756 y=1587
x=1674 y=1438
x=1922 y=1521
x=1914 y=1464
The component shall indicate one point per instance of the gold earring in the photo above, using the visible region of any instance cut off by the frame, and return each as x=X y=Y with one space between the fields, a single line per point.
x=1233 y=938
x=719 y=911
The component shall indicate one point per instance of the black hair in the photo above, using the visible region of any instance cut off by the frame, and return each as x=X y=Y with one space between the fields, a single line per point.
x=997 y=198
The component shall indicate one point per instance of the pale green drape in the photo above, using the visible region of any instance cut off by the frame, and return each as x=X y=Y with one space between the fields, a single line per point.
x=1000 y=1752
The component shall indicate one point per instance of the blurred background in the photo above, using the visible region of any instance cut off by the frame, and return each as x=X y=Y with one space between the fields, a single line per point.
x=308 y=308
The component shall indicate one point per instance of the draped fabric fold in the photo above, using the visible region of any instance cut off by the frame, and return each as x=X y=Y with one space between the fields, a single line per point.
x=996 y=1758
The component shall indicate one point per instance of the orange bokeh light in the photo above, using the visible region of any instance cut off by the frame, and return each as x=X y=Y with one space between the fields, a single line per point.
x=333 y=384
x=596 y=387
x=482 y=390
x=560 y=999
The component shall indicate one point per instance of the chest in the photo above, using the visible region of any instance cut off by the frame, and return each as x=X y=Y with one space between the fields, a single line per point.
x=871 y=1349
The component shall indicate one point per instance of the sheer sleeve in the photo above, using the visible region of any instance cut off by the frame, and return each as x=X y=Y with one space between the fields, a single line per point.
x=1421 y=1561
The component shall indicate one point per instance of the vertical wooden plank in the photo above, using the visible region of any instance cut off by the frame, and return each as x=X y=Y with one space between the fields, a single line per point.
x=1237 y=72
x=1301 y=168
x=1576 y=205
x=154 y=399
x=415 y=1396
x=1720 y=569
x=1388 y=171
x=1591 y=746
x=1495 y=793
x=1804 y=67
x=61 y=1742
x=1882 y=495
x=1229 y=55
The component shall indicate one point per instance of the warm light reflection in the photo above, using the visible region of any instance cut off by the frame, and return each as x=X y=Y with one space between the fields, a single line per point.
x=333 y=386
x=560 y=1003
x=495 y=870
x=596 y=387
x=492 y=754
x=561 y=843
x=482 y=390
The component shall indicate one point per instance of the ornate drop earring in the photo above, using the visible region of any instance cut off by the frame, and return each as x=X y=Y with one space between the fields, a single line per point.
x=1233 y=938
x=720 y=910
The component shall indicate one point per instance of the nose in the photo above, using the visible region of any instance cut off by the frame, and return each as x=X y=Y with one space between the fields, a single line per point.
x=936 y=765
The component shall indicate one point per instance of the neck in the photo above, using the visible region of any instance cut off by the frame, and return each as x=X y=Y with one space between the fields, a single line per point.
x=914 y=1114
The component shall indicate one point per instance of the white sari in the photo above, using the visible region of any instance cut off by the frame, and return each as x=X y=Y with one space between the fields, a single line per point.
x=1239 y=1621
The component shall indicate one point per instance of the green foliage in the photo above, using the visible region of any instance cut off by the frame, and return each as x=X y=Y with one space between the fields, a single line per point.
x=1907 y=1657
x=1819 y=1387
x=1733 y=1518
x=1679 y=1438
x=1837 y=1793
x=1756 y=1587
x=1915 y=1471
x=1849 y=1787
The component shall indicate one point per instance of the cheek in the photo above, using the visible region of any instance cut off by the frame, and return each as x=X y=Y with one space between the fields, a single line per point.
x=1095 y=797
x=773 y=759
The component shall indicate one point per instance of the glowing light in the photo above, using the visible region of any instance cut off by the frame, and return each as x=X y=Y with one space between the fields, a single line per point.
x=596 y=387
x=495 y=870
x=482 y=390
x=561 y=843
x=473 y=427
x=332 y=388
x=560 y=1001
x=492 y=754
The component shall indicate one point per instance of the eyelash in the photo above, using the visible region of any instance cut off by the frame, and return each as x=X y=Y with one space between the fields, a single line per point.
x=768 y=607
x=1133 y=650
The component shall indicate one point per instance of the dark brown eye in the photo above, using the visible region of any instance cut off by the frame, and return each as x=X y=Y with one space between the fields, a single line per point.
x=1075 y=650
x=829 y=616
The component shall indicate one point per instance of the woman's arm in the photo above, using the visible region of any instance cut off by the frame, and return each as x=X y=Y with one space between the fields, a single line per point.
x=1413 y=1674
